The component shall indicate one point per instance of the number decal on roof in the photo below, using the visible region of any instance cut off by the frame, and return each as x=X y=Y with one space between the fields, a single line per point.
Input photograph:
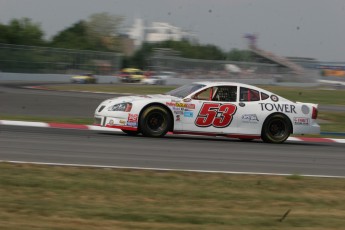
x=215 y=114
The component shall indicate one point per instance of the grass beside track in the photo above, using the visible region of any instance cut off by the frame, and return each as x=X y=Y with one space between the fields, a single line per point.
x=43 y=197
x=332 y=121
x=110 y=88
x=323 y=96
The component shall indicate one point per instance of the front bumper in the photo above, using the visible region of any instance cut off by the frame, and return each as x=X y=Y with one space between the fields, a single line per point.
x=115 y=122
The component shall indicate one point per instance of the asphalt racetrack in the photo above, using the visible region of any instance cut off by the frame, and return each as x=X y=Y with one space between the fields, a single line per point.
x=31 y=102
x=85 y=147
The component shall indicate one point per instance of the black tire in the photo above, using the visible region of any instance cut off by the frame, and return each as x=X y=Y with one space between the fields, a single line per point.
x=276 y=129
x=155 y=121
x=130 y=132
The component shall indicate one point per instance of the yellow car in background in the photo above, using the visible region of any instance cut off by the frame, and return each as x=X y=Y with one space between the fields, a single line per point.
x=131 y=75
x=84 y=79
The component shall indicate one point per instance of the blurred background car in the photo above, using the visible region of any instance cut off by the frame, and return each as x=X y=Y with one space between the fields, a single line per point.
x=131 y=75
x=165 y=74
x=158 y=78
x=84 y=79
x=153 y=80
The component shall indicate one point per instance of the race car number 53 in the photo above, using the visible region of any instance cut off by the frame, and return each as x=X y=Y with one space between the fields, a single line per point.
x=217 y=115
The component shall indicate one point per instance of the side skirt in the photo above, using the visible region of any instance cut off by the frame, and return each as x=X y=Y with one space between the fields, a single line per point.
x=232 y=135
x=130 y=128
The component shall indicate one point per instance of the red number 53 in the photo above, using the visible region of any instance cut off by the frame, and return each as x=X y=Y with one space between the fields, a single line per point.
x=217 y=115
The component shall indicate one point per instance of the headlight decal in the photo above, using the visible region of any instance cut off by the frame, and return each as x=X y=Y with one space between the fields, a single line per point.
x=101 y=108
x=129 y=107
x=125 y=107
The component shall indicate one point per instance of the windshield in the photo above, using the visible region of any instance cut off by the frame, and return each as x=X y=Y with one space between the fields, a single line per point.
x=185 y=90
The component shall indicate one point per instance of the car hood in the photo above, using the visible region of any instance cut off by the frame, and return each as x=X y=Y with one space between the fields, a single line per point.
x=153 y=97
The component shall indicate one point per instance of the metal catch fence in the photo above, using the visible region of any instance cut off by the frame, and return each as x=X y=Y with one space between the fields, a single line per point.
x=165 y=60
x=35 y=59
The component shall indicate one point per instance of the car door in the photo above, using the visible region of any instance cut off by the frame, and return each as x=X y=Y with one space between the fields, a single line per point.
x=249 y=115
x=213 y=111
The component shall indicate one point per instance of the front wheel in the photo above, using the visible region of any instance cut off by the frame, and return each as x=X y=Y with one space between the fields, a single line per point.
x=276 y=129
x=155 y=121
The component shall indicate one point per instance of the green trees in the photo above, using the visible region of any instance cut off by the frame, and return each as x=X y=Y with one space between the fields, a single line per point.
x=103 y=29
x=239 y=55
x=22 y=32
x=191 y=50
x=73 y=37
x=99 y=33
x=186 y=49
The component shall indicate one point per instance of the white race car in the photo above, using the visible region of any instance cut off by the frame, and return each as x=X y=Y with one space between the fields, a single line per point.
x=153 y=80
x=210 y=108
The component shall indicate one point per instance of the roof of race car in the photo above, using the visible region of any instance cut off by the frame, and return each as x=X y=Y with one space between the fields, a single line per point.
x=219 y=83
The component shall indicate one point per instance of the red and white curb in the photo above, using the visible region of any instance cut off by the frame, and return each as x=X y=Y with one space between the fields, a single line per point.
x=97 y=128
x=56 y=125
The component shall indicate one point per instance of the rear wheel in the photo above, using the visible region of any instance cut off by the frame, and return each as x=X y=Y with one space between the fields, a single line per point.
x=130 y=132
x=276 y=129
x=155 y=121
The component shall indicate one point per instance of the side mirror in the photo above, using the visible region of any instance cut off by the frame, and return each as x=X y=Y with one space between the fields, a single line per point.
x=187 y=99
